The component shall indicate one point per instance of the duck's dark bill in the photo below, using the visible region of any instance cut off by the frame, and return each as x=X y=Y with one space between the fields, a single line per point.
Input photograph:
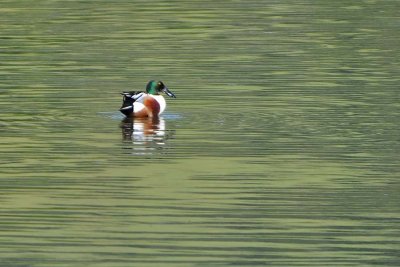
x=168 y=92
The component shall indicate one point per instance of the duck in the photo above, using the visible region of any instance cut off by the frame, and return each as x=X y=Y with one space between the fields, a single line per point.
x=148 y=104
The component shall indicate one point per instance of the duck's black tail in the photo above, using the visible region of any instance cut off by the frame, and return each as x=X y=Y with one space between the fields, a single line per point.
x=127 y=104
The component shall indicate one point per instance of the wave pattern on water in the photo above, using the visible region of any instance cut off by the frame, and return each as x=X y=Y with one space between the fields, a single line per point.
x=281 y=148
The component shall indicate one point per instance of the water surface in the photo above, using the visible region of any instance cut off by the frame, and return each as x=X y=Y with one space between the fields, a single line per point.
x=281 y=149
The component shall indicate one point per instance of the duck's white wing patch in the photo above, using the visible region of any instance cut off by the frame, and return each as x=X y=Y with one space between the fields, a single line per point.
x=138 y=96
x=127 y=107
x=134 y=95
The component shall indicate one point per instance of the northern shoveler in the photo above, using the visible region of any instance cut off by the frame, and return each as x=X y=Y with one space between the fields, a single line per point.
x=140 y=104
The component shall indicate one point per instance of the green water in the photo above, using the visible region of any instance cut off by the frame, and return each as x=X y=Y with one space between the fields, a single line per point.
x=281 y=148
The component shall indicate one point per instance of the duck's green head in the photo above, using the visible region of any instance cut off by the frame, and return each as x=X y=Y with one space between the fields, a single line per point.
x=156 y=87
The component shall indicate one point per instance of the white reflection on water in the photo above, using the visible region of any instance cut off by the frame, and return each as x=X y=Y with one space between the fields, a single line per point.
x=145 y=135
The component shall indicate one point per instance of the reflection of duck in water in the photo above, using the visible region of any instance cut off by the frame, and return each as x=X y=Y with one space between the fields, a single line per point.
x=145 y=133
x=146 y=104
x=142 y=128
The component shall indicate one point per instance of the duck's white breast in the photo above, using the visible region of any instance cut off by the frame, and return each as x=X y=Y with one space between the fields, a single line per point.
x=161 y=101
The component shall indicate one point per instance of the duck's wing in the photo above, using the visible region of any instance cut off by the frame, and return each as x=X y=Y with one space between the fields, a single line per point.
x=128 y=102
x=134 y=95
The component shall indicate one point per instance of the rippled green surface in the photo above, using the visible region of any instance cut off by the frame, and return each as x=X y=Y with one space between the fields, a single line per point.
x=281 y=149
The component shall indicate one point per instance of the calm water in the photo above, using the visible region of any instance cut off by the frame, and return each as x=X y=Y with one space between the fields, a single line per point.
x=281 y=149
